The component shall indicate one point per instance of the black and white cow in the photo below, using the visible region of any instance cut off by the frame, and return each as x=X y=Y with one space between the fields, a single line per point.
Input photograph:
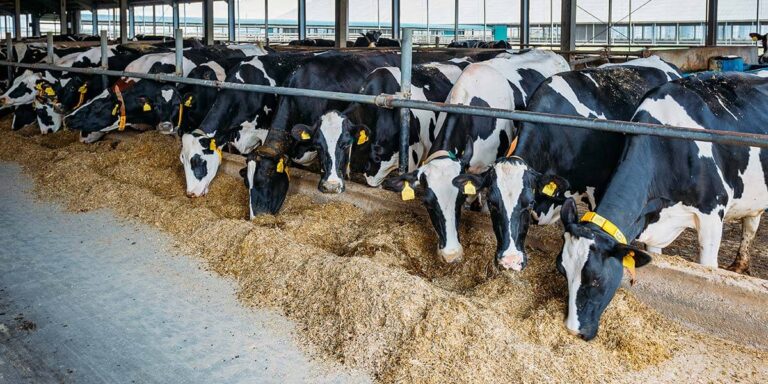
x=313 y=43
x=549 y=162
x=332 y=71
x=237 y=118
x=663 y=186
x=330 y=135
x=373 y=39
x=763 y=39
x=471 y=144
x=501 y=44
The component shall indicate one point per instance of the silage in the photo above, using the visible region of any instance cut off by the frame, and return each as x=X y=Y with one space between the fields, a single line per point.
x=365 y=288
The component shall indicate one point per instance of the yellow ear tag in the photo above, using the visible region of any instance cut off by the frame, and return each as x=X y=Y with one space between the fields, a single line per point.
x=362 y=138
x=407 y=193
x=549 y=189
x=305 y=135
x=114 y=110
x=147 y=107
x=188 y=103
x=50 y=92
x=629 y=263
x=754 y=38
x=121 y=124
x=469 y=188
x=212 y=146
x=39 y=86
x=83 y=88
x=280 y=166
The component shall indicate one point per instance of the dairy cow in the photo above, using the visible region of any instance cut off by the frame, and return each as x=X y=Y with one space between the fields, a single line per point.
x=663 y=186
x=550 y=162
x=335 y=133
x=373 y=39
x=237 y=119
x=471 y=144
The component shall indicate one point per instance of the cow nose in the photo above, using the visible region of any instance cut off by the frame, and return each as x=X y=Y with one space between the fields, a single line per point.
x=3 y=101
x=332 y=186
x=192 y=195
x=166 y=128
x=58 y=109
x=451 y=255
x=512 y=260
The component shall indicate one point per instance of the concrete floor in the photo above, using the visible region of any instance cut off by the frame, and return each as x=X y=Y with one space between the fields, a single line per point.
x=85 y=298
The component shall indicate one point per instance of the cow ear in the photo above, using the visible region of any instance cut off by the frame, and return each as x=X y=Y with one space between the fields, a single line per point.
x=631 y=258
x=569 y=214
x=403 y=184
x=471 y=184
x=361 y=132
x=552 y=186
x=466 y=154
x=302 y=132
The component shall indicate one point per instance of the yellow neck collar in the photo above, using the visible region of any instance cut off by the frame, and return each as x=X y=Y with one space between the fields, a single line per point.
x=606 y=225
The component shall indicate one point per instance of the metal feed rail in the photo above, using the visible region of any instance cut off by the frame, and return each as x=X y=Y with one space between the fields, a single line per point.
x=403 y=101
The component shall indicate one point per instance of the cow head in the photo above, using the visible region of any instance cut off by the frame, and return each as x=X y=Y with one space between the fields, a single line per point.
x=22 y=91
x=592 y=262
x=372 y=37
x=515 y=194
x=440 y=197
x=384 y=150
x=71 y=93
x=333 y=137
x=201 y=157
x=266 y=175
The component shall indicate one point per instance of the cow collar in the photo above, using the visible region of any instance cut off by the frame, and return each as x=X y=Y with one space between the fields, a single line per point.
x=83 y=90
x=512 y=146
x=121 y=121
x=438 y=155
x=606 y=225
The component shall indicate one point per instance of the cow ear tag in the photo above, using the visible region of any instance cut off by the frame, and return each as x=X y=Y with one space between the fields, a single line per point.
x=469 y=188
x=147 y=107
x=407 y=193
x=549 y=189
x=305 y=135
x=50 y=92
x=362 y=138
x=280 y=166
x=83 y=88
x=629 y=263
x=114 y=110
x=188 y=103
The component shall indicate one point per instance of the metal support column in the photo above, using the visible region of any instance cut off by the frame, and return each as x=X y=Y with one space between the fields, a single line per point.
x=17 y=19
x=711 y=23
x=35 y=25
x=342 y=22
x=302 y=19
x=175 y=15
x=208 y=22
x=610 y=24
x=132 y=23
x=266 y=22
x=49 y=47
x=179 y=51
x=568 y=27
x=406 y=53
x=154 y=21
x=456 y=21
x=104 y=57
x=525 y=23
x=63 y=17
x=9 y=55
x=95 y=21
x=75 y=22
x=231 y=21
x=123 y=21
x=395 y=19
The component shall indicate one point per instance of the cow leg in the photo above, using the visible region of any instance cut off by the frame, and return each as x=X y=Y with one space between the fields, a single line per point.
x=710 y=230
x=749 y=227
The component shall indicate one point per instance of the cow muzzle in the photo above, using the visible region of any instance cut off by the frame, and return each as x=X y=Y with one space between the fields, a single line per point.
x=331 y=186
x=194 y=194
x=166 y=128
x=451 y=255
x=512 y=260
x=4 y=101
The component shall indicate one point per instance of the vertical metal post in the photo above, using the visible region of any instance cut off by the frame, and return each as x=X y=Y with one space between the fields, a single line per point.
x=405 y=92
x=175 y=15
x=456 y=21
x=132 y=23
x=9 y=54
x=395 y=19
x=63 y=17
x=266 y=22
x=711 y=23
x=104 y=57
x=342 y=22
x=154 y=21
x=428 y=34
x=123 y=21
x=525 y=23
x=76 y=22
x=757 y=17
x=231 y=21
x=179 y=41
x=208 y=22
x=484 y=23
x=632 y=28
x=568 y=27
x=95 y=21
x=302 y=19
x=17 y=19
x=610 y=22
x=49 y=48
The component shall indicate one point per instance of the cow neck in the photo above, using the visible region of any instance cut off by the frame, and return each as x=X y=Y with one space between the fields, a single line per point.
x=630 y=189
x=531 y=145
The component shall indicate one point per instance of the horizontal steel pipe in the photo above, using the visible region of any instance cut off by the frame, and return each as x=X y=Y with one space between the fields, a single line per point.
x=393 y=101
